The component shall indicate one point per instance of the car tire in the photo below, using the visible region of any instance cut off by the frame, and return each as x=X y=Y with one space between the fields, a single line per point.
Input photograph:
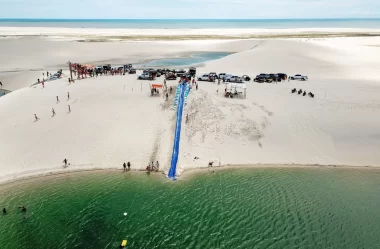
x=302 y=79
x=291 y=78
x=228 y=80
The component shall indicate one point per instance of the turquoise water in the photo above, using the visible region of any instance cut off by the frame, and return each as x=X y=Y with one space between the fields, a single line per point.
x=194 y=23
x=3 y=92
x=193 y=59
x=242 y=208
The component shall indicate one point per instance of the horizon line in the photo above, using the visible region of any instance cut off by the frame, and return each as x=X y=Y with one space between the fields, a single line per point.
x=194 y=19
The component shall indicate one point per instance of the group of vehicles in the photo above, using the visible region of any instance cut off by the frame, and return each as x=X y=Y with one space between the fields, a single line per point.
x=127 y=68
x=224 y=77
x=170 y=74
x=269 y=78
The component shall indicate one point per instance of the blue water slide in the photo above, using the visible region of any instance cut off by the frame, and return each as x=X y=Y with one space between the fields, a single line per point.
x=177 y=135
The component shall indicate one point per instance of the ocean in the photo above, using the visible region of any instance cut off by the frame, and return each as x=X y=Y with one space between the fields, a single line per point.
x=237 y=208
x=193 y=23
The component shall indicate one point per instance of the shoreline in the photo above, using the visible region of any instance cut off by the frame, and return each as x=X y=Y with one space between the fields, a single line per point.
x=185 y=175
x=145 y=34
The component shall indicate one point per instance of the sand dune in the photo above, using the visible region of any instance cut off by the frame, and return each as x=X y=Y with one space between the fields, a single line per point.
x=110 y=123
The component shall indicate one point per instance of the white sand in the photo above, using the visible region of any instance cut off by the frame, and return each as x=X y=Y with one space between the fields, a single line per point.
x=109 y=125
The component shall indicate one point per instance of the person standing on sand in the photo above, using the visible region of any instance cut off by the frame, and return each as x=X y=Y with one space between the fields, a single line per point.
x=69 y=108
x=43 y=84
x=52 y=110
x=167 y=96
x=57 y=99
x=65 y=162
x=68 y=95
x=124 y=166
x=1 y=84
x=196 y=86
x=35 y=116
x=129 y=166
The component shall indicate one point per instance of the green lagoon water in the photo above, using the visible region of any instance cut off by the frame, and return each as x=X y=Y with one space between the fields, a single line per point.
x=241 y=208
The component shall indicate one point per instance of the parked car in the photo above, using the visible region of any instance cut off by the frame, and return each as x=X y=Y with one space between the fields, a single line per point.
x=222 y=76
x=299 y=77
x=180 y=72
x=261 y=78
x=144 y=76
x=234 y=78
x=127 y=67
x=132 y=71
x=213 y=74
x=170 y=76
x=246 y=78
x=204 y=77
x=262 y=75
x=282 y=76
x=275 y=77
x=268 y=79
x=192 y=71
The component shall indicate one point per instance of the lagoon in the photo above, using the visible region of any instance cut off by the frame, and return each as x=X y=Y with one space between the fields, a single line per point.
x=237 y=208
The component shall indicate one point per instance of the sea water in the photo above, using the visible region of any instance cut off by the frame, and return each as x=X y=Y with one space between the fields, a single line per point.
x=241 y=208
x=184 y=61
x=194 y=23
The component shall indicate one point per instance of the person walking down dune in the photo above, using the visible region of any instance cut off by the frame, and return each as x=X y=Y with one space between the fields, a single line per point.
x=58 y=100
x=68 y=95
x=53 y=111
x=35 y=117
x=69 y=108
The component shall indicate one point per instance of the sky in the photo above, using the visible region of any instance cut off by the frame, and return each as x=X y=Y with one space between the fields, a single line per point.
x=190 y=9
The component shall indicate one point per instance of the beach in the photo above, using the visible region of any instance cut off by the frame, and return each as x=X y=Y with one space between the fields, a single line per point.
x=114 y=120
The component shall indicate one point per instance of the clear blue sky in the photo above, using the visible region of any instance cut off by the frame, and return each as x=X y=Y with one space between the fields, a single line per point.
x=190 y=9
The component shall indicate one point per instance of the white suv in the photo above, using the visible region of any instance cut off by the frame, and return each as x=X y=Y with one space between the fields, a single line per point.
x=298 y=77
x=144 y=76
x=233 y=78
x=204 y=77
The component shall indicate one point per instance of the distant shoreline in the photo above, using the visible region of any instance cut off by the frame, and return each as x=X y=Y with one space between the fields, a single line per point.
x=151 y=34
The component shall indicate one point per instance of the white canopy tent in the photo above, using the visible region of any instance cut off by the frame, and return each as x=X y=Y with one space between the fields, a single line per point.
x=240 y=88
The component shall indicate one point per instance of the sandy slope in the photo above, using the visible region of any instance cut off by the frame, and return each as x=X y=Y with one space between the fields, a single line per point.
x=109 y=125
